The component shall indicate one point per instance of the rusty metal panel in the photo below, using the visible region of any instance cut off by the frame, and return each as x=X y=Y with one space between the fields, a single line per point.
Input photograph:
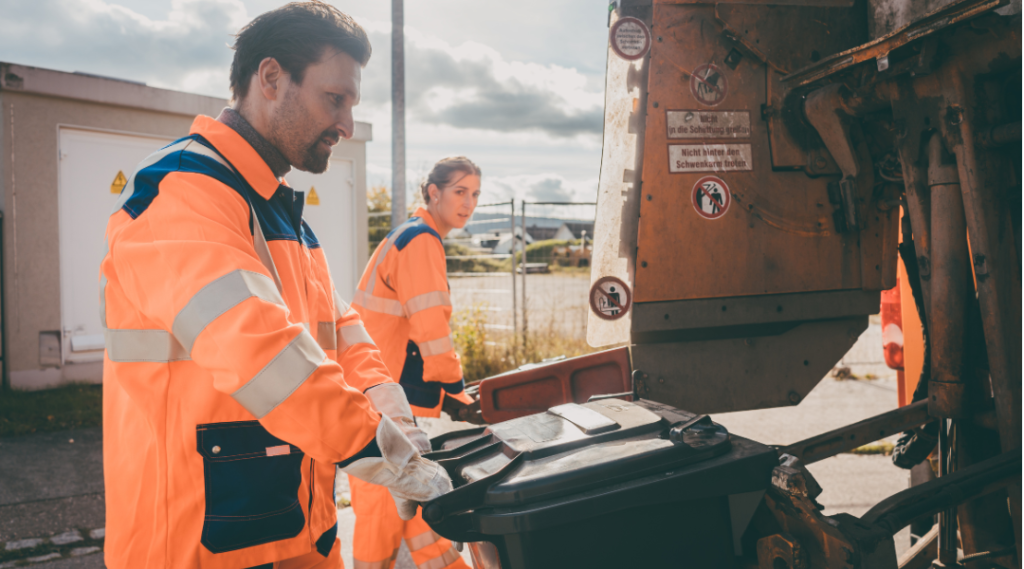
x=740 y=373
x=777 y=234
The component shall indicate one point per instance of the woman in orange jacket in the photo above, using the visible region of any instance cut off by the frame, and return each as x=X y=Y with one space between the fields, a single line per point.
x=403 y=299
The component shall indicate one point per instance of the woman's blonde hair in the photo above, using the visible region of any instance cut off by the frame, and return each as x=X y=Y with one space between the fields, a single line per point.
x=444 y=172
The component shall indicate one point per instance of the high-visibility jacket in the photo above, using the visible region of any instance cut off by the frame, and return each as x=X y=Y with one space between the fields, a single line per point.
x=403 y=298
x=233 y=372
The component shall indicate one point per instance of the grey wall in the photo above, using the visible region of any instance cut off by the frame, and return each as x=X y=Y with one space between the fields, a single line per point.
x=29 y=185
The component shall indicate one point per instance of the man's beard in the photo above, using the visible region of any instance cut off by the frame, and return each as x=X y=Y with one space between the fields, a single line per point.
x=313 y=159
x=289 y=129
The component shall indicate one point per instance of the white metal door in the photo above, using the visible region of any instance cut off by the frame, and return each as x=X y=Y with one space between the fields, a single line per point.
x=90 y=162
x=334 y=219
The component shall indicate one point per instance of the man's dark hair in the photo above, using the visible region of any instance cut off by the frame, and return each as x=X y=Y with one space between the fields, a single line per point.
x=295 y=35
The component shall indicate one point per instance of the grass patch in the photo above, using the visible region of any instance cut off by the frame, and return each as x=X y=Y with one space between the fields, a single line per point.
x=486 y=353
x=66 y=407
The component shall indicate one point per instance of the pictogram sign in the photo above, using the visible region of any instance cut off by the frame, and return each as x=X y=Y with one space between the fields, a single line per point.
x=709 y=85
x=711 y=197
x=610 y=298
x=630 y=38
x=119 y=182
x=312 y=198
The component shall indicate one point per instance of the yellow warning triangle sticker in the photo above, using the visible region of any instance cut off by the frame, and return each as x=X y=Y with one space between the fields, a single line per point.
x=118 y=184
x=312 y=198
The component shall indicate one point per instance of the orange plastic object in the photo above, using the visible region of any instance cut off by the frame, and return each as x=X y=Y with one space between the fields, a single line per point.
x=892 y=327
x=538 y=388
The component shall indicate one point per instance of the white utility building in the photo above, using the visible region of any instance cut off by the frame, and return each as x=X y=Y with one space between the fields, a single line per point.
x=67 y=143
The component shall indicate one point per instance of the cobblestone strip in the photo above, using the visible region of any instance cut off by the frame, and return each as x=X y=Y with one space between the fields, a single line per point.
x=71 y=543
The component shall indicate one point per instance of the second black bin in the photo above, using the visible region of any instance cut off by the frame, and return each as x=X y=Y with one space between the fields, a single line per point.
x=604 y=484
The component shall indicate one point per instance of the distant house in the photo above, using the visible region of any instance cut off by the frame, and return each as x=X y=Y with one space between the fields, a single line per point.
x=543 y=233
x=578 y=227
x=504 y=244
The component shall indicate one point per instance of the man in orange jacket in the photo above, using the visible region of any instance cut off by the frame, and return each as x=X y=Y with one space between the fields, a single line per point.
x=235 y=377
x=403 y=299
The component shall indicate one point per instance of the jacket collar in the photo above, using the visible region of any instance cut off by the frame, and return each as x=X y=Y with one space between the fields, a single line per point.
x=422 y=213
x=239 y=153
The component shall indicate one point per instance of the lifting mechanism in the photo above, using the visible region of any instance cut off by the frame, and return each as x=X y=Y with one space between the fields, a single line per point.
x=766 y=165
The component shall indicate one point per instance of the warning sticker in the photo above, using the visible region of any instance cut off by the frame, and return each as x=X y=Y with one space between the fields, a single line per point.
x=119 y=182
x=708 y=85
x=630 y=38
x=312 y=198
x=711 y=197
x=708 y=124
x=610 y=298
x=683 y=158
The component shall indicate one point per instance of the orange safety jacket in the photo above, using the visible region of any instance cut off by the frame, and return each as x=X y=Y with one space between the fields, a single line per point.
x=233 y=373
x=403 y=298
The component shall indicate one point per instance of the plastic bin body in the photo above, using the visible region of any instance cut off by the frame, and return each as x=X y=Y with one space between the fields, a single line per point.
x=605 y=484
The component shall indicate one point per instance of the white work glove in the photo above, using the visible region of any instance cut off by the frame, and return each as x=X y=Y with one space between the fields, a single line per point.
x=389 y=399
x=411 y=478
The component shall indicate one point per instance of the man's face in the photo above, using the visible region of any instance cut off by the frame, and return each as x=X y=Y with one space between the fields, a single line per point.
x=309 y=119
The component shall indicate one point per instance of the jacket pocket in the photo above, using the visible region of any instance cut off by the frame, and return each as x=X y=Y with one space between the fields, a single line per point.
x=252 y=485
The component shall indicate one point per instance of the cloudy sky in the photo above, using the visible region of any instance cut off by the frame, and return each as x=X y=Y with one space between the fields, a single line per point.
x=517 y=86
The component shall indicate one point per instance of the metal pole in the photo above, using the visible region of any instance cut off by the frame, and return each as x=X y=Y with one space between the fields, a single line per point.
x=523 y=264
x=947 y=545
x=398 y=213
x=512 y=266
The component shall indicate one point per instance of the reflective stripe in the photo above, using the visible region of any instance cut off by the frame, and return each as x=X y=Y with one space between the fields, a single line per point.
x=103 y=300
x=340 y=306
x=129 y=187
x=422 y=540
x=326 y=335
x=382 y=564
x=427 y=300
x=445 y=559
x=377 y=304
x=218 y=297
x=262 y=251
x=281 y=377
x=387 y=247
x=436 y=347
x=199 y=148
x=349 y=336
x=143 y=346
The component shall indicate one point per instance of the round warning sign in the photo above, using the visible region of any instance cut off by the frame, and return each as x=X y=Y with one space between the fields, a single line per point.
x=610 y=298
x=630 y=38
x=711 y=197
x=708 y=85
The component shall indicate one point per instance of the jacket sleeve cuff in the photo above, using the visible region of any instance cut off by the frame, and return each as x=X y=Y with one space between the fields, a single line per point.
x=455 y=387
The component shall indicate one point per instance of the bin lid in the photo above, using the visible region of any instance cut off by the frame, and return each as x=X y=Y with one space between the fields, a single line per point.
x=572 y=457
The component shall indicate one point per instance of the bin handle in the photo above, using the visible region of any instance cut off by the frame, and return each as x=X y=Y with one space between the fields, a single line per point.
x=438 y=511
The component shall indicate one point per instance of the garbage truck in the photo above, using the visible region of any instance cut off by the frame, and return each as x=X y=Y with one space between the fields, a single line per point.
x=769 y=167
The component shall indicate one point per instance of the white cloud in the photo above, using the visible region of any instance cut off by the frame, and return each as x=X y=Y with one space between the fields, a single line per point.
x=186 y=51
x=472 y=86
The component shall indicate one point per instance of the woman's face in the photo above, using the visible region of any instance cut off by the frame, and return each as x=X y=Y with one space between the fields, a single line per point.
x=454 y=205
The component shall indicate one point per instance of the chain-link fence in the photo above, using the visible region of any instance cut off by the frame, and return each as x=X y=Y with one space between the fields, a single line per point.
x=510 y=308
x=555 y=272
x=480 y=272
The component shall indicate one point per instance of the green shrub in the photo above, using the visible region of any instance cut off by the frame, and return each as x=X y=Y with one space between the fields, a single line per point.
x=485 y=353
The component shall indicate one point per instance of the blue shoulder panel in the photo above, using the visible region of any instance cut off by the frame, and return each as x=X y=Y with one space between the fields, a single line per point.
x=418 y=228
x=147 y=180
x=308 y=237
x=280 y=217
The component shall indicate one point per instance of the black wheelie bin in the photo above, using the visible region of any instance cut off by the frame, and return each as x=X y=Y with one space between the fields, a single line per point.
x=607 y=483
